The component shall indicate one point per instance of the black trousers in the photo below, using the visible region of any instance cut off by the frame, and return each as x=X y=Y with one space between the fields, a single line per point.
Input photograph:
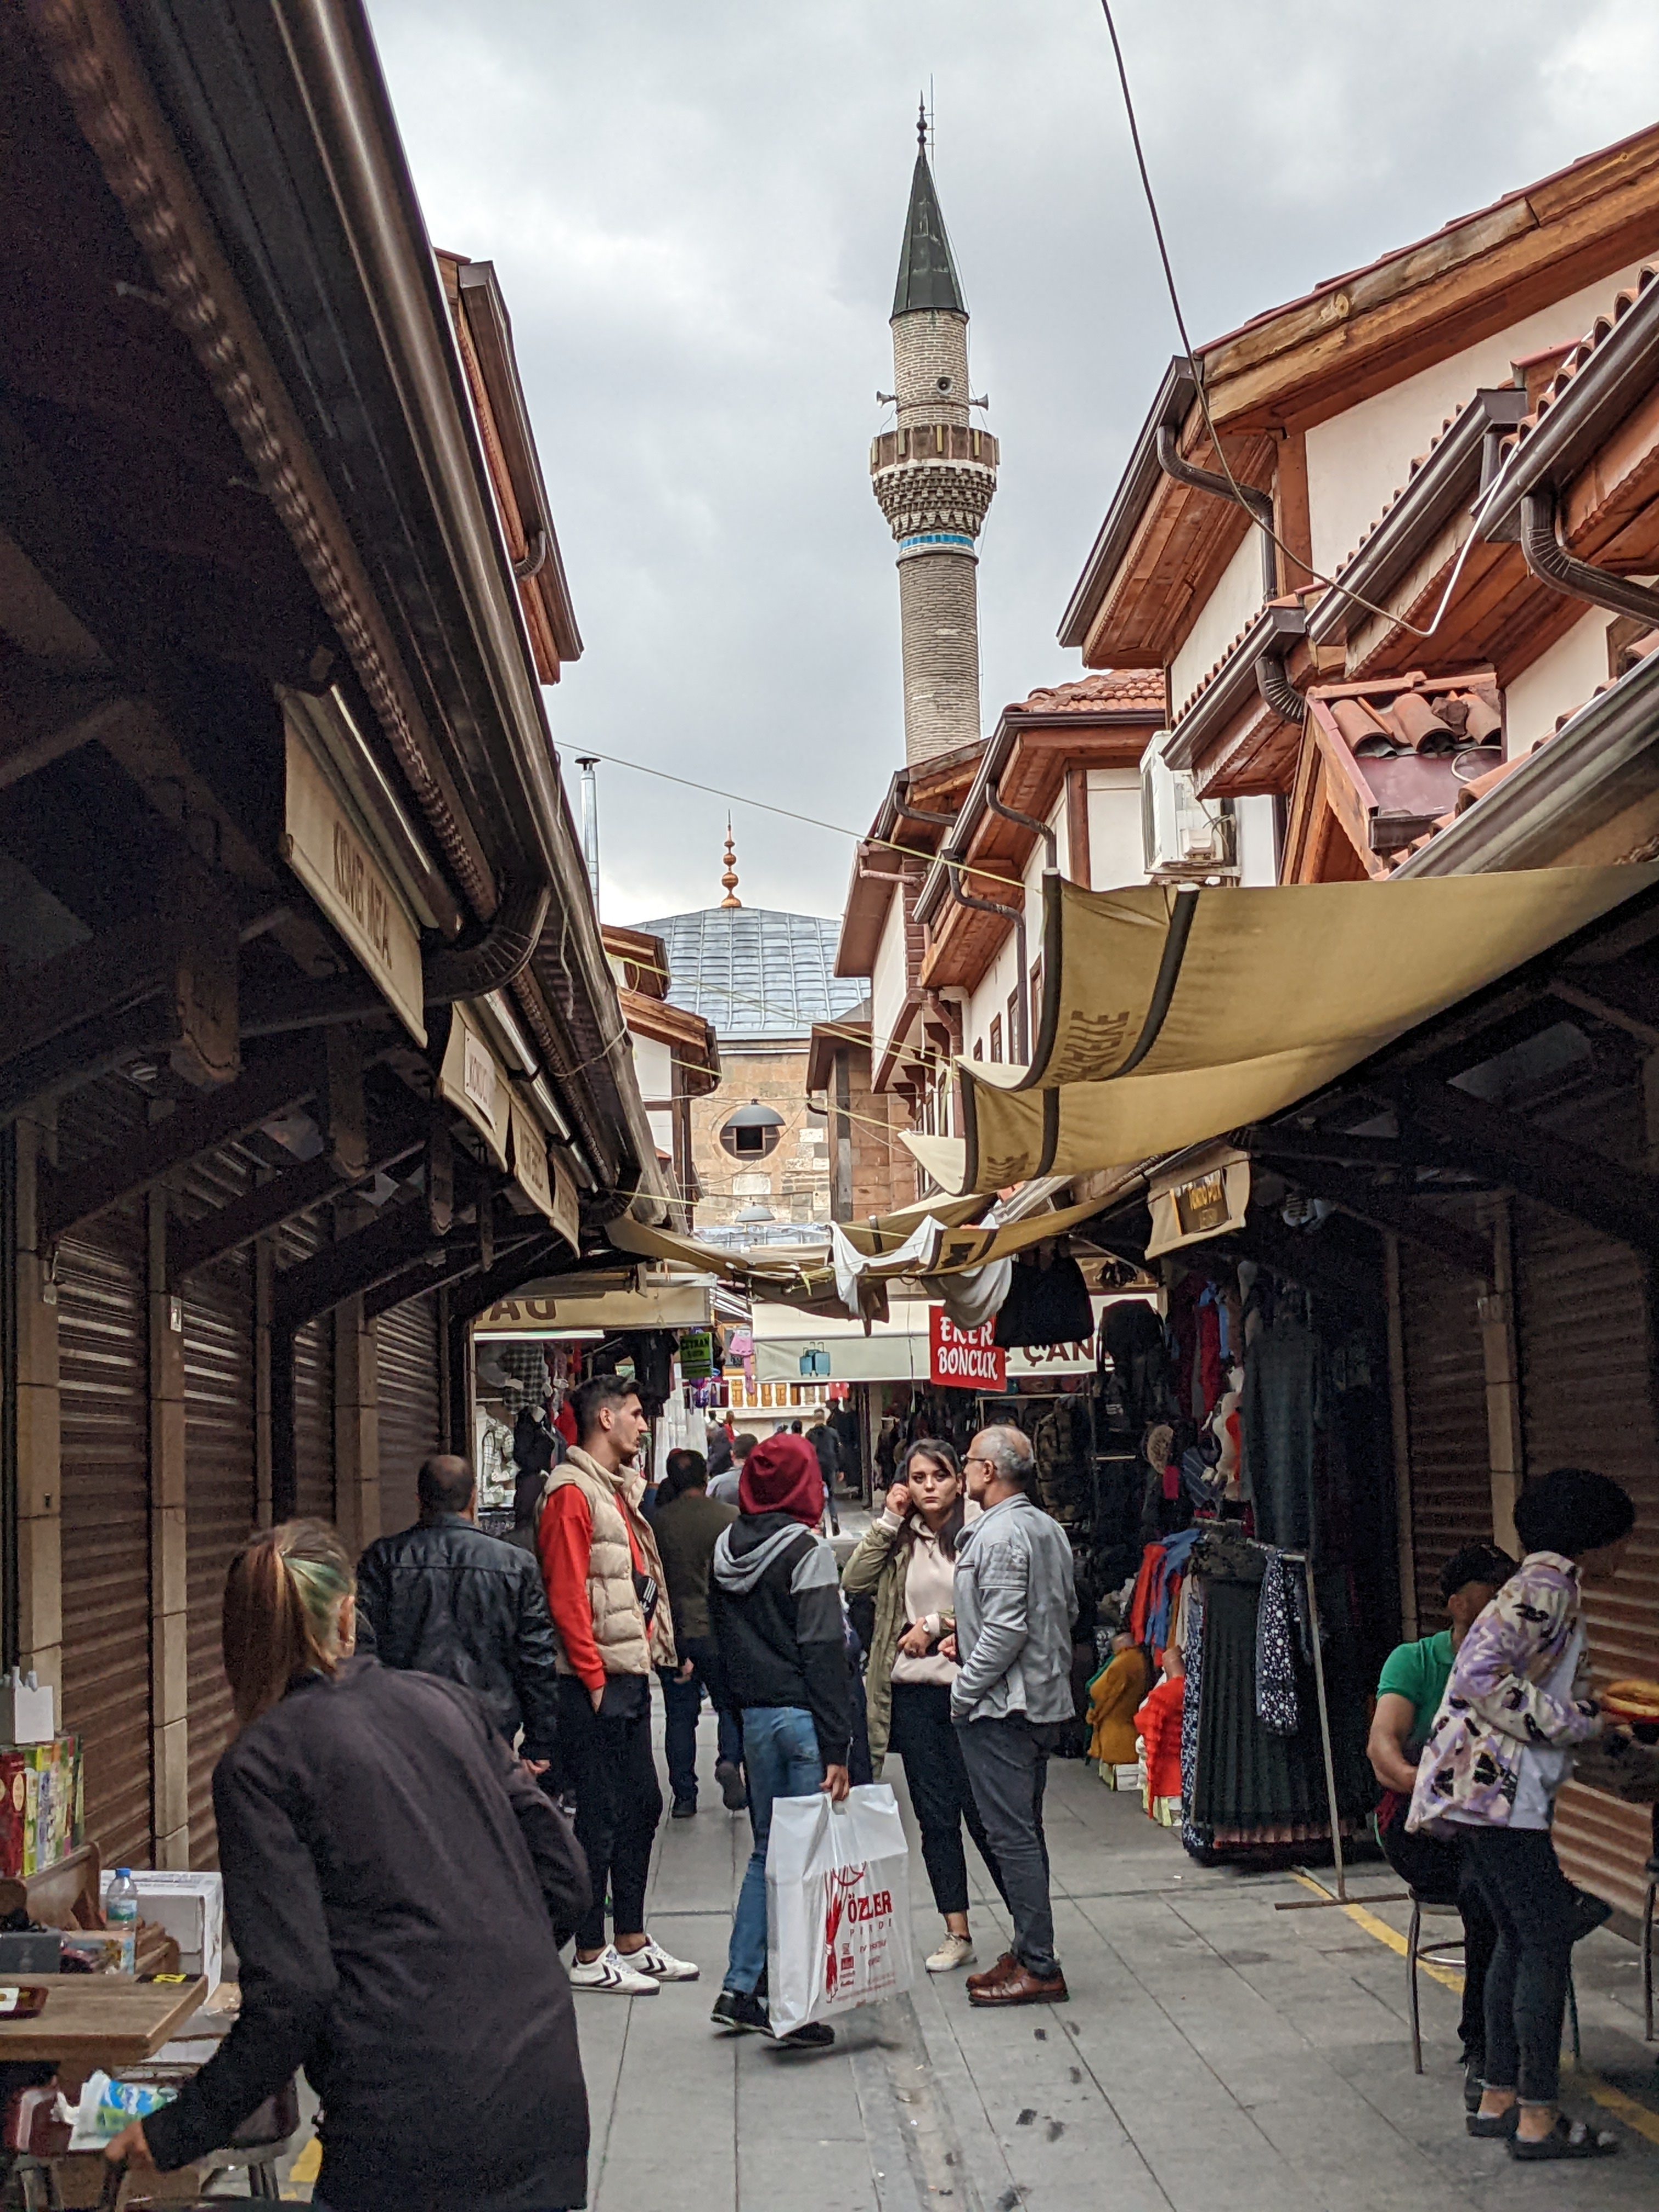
x=609 y=1769
x=1532 y=1902
x=1440 y=1870
x=922 y=1734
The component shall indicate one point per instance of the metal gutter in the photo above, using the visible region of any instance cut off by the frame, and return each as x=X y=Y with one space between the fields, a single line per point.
x=1450 y=474
x=1175 y=395
x=1234 y=683
x=1551 y=563
x=1176 y=465
x=1616 y=375
x=1589 y=772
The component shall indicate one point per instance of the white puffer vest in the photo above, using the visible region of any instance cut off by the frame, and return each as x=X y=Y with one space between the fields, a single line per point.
x=619 y=1627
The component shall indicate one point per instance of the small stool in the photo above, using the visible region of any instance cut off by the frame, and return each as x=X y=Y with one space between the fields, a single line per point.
x=1447 y=1951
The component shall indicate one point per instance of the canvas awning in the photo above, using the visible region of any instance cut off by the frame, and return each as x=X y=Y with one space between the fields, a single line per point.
x=1170 y=1015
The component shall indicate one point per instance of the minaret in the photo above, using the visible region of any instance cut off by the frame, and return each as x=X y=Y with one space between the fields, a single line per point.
x=934 y=477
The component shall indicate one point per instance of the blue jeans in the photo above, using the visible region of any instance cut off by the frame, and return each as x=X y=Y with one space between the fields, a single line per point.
x=682 y=1705
x=782 y=1758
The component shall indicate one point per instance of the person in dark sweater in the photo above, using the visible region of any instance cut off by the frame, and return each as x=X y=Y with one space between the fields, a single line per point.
x=687 y=1529
x=775 y=1613
x=444 y=1598
x=397 y=1889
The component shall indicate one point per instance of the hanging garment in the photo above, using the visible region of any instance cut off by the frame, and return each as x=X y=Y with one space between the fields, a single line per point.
x=1045 y=1305
x=1207 y=1371
x=1276 y=1703
x=1194 y=1838
x=1158 y=1725
x=1114 y=1695
x=1132 y=1338
x=970 y=1299
x=1281 y=1410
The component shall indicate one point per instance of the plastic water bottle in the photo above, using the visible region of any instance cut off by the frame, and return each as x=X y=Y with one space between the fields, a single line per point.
x=121 y=1914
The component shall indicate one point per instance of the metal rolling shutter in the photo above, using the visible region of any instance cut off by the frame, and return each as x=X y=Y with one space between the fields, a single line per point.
x=411 y=1417
x=1581 y=1311
x=1445 y=1421
x=103 y=1339
x=220 y=1490
x=313 y=1381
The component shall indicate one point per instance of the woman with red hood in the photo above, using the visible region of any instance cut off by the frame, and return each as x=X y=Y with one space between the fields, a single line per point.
x=775 y=1614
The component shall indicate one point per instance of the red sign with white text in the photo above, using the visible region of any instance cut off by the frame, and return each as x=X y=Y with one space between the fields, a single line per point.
x=963 y=1359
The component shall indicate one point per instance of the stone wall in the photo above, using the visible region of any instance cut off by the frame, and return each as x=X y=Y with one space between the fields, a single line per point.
x=938 y=620
x=793 y=1179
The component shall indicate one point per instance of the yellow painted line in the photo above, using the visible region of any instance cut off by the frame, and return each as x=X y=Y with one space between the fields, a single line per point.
x=1448 y=1976
x=309 y=2163
x=1640 y=2119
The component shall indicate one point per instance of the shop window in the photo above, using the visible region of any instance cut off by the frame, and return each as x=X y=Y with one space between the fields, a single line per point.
x=979 y=1048
x=996 y=1037
x=1013 y=1021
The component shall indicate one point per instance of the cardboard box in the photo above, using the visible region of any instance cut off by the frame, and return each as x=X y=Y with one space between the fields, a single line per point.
x=191 y=1907
x=41 y=1818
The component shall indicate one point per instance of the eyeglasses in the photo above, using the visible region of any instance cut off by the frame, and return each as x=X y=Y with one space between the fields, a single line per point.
x=979 y=1459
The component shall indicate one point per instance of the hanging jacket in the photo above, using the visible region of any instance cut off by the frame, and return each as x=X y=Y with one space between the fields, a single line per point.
x=1045 y=1305
x=1114 y=1695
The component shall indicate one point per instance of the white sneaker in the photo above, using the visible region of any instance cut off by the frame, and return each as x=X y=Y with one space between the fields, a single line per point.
x=661 y=1965
x=953 y=1952
x=611 y=1972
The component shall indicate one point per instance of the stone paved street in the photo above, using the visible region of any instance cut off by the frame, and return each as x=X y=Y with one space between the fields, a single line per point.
x=1218 y=2056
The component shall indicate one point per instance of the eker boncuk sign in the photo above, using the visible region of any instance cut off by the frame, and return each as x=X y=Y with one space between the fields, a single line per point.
x=963 y=1359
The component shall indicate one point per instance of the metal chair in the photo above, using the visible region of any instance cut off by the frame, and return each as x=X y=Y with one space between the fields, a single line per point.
x=1449 y=1951
x=1445 y=1952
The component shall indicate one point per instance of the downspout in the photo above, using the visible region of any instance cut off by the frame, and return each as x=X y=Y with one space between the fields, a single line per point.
x=1174 y=464
x=1277 y=689
x=954 y=870
x=1550 y=561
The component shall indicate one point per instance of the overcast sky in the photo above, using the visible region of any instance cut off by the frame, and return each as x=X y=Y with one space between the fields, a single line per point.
x=696 y=211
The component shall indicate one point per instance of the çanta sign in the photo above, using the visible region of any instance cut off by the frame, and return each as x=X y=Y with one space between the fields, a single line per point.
x=963 y=1359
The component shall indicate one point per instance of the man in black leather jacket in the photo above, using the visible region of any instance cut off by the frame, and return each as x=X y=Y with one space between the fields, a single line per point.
x=443 y=1598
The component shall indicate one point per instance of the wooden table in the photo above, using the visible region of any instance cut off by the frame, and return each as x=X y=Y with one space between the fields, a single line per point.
x=99 y=2020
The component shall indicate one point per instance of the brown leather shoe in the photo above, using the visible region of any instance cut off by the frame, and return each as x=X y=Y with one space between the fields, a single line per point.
x=1004 y=1965
x=1022 y=1987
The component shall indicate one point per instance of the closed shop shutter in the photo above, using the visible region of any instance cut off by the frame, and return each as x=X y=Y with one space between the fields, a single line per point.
x=1581 y=1312
x=103 y=1339
x=410 y=1417
x=1450 y=1454
x=313 y=1381
x=220 y=1490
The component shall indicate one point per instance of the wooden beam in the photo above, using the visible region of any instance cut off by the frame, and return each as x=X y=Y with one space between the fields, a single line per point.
x=394 y=1241
x=462 y=1260
x=269 y=1084
x=168 y=982
x=1620 y=1201
x=1077 y=826
x=1405 y=1216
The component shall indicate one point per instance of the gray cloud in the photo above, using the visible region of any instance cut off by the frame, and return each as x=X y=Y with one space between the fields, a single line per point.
x=696 y=211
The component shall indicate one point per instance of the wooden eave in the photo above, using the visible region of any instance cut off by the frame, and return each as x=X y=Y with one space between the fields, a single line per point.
x=1180 y=549
x=1256 y=752
x=643 y=956
x=827 y=1039
x=962 y=942
x=690 y=1038
x=1359 y=334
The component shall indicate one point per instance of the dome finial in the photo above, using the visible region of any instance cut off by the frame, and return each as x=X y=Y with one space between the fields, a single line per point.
x=921 y=122
x=730 y=879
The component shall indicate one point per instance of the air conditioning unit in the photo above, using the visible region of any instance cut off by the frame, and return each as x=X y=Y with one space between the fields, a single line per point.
x=1183 y=836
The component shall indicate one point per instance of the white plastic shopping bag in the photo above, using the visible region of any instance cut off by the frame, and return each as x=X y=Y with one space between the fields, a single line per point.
x=837 y=1905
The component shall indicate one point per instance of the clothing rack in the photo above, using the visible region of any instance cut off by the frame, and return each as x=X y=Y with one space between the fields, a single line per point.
x=1340 y=1894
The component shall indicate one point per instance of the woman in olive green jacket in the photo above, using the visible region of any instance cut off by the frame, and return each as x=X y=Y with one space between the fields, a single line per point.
x=906 y=1562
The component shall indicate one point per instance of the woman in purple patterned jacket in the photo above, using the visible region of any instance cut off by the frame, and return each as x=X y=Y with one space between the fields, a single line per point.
x=1501 y=1746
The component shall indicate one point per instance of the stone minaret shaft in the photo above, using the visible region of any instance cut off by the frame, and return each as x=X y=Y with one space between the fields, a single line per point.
x=934 y=476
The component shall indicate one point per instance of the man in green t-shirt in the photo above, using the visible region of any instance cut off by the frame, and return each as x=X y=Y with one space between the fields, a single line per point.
x=1413 y=1682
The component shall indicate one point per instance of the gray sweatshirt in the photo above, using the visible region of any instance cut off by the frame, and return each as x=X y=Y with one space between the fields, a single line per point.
x=1016 y=1602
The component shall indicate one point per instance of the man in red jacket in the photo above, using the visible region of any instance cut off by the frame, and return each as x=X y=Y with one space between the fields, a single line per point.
x=611 y=1619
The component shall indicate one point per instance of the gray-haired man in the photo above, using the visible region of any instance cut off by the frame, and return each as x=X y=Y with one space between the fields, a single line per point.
x=1016 y=1602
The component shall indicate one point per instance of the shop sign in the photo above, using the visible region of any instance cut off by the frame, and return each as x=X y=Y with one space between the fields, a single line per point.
x=814 y=1361
x=472 y=1079
x=697 y=1355
x=323 y=845
x=1208 y=1203
x=963 y=1359
x=566 y=1209
x=529 y=1160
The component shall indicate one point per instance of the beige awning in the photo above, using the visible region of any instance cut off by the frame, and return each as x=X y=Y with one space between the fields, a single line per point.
x=1171 y=1017
x=472 y=1081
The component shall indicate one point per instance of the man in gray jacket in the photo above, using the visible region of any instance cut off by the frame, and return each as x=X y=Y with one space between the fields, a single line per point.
x=1016 y=1602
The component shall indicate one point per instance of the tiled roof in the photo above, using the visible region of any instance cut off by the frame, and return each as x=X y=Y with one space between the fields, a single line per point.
x=751 y=972
x=1604 y=325
x=1107 y=691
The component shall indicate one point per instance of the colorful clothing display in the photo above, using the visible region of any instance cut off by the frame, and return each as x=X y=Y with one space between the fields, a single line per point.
x=1114 y=1696
x=1158 y=1724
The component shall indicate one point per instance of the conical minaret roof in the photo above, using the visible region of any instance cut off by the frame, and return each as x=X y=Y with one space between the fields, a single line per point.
x=928 y=275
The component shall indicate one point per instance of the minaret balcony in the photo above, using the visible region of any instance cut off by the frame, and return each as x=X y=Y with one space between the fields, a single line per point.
x=932 y=441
